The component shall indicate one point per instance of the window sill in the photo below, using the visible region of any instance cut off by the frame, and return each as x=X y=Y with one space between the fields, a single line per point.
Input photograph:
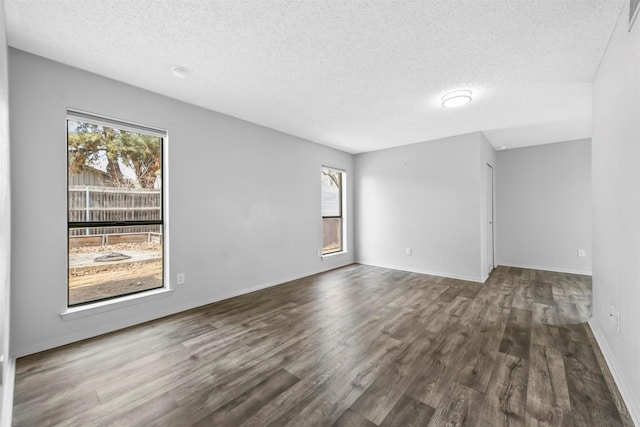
x=334 y=254
x=113 y=304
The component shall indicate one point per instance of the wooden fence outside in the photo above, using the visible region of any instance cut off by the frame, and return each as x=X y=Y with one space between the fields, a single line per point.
x=89 y=203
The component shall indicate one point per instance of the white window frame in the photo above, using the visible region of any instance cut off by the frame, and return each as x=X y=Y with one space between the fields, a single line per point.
x=343 y=209
x=104 y=305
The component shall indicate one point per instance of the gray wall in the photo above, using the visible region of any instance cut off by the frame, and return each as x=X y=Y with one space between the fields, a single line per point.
x=243 y=211
x=616 y=207
x=427 y=197
x=5 y=227
x=544 y=207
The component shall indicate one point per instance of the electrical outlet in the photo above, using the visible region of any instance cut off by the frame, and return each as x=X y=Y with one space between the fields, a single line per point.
x=612 y=315
x=619 y=322
x=408 y=251
x=318 y=252
x=582 y=253
x=181 y=278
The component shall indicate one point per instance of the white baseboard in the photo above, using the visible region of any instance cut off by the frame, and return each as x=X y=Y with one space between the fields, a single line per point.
x=554 y=269
x=633 y=404
x=7 y=393
x=145 y=317
x=423 y=271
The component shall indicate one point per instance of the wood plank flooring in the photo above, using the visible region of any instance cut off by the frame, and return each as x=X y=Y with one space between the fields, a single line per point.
x=357 y=346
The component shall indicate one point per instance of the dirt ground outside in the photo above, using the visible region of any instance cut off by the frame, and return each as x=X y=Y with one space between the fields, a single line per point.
x=108 y=279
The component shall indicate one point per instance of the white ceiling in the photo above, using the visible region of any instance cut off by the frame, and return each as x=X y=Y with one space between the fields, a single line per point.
x=356 y=75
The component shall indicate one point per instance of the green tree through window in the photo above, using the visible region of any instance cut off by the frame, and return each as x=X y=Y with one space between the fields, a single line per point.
x=113 y=149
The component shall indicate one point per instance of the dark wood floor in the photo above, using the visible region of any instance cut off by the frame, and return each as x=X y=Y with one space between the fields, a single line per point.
x=357 y=346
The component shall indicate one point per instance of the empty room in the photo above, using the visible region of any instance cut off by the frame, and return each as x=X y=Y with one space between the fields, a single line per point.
x=319 y=213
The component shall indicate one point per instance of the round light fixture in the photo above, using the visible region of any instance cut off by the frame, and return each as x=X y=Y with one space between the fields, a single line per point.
x=457 y=98
x=180 y=72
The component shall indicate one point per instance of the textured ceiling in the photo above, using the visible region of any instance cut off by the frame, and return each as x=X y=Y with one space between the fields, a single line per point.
x=355 y=75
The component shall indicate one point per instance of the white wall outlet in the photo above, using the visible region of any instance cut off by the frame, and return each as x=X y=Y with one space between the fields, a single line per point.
x=408 y=251
x=612 y=315
x=619 y=322
x=582 y=253
x=181 y=278
x=319 y=252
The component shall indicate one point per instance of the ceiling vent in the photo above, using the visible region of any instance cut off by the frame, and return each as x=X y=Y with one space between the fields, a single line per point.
x=633 y=12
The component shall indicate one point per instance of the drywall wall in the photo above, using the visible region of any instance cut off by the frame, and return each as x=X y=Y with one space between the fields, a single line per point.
x=426 y=197
x=616 y=207
x=544 y=207
x=243 y=209
x=5 y=232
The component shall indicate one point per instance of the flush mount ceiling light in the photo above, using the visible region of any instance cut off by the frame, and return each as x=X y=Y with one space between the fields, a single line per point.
x=180 y=72
x=457 y=98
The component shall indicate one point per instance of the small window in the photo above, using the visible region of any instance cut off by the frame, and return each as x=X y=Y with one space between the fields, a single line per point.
x=332 y=210
x=114 y=208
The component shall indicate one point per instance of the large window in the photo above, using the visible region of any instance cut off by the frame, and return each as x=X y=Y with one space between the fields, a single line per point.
x=114 y=208
x=332 y=210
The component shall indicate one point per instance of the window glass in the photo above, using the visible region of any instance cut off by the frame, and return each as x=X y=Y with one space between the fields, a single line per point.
x=114 y=210
x=332 y=210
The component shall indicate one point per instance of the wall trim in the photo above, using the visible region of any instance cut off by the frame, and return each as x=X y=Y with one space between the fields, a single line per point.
x=554 y=269
x=136 y=320
x=114 y=304
x=632 y=403
x=7 y=393
x=423 y=271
